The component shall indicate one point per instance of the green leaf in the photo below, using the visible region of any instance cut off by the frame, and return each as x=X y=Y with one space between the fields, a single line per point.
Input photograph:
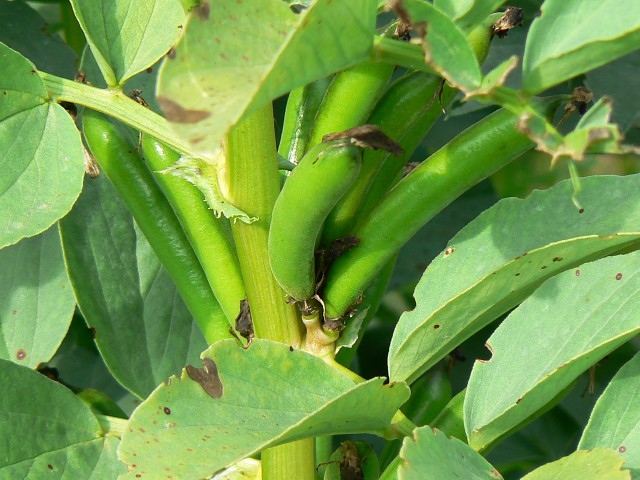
x=24 y=30
x=467 y=13
x=238 y=56
x=566 y=326
x=502 y=256
x=142 y=327
x=613 y=80
x=46 y=432
x=42 y=164
x=270 y=394
x=430 y=455
x=37 y=299
x=597 y=464
x=593 y=134
x=572 y=37
x=548 y=438
x=127 y=36
x=615 y=420
x=446 y=47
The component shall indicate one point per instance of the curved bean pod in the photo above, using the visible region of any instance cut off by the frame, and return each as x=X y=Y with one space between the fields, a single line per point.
x=469 y=158
x=314 y=187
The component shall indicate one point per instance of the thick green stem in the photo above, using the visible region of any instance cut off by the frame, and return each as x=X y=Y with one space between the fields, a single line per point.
x=117 y=105
x=253 y=185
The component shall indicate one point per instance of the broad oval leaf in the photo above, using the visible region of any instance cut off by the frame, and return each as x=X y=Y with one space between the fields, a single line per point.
x=249 y=400
x=127 y=36
x=572 y=37
x=429 y=454
x=142 y=327
x=47 y=432
x=238 y=56
x=468 y=13
x=37 y=299
x=503 y=255
x=596 y=464
x=615 y=420
x=41 y=168
x=563 y=328
x=446 y=47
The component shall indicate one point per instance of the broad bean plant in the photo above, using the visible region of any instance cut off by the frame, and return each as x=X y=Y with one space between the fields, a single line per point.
x=319 y=239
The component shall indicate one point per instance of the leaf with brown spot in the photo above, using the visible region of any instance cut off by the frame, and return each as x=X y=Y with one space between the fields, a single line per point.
x=236 y=73
x=207 y=377
x=176 y=113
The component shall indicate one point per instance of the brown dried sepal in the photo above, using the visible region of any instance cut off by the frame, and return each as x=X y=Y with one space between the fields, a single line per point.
x=324 y=258
x=351 y=463
x=513 y=17
x=403 y=31
x=244 y=322
x=135 y=95
x=367 y=136
x=91 y=167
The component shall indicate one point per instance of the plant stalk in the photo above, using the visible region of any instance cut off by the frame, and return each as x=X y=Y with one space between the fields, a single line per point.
x=253 y=184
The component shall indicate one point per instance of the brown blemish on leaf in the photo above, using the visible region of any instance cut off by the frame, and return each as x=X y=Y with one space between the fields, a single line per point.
x=512 y=18
x=21 y=354
x=203 y=11
x=207 y=377
x=176 y=113
x=557 y=259
x=436 y=327
x=367 y=136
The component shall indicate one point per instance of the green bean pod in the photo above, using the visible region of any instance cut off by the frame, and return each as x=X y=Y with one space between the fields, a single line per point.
x=206 y=233
x=469 y=158
x=116 y=153
x=314 y=187
x=410 y=106
x=299 y=117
